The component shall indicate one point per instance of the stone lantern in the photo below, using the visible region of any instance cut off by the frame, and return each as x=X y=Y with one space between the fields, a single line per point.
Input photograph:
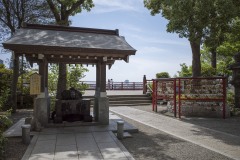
x=236 y=79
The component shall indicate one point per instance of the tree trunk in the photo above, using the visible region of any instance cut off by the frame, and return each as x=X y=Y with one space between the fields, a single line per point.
x=14 y=83
x=196 y=62
x=214 y=58
x=62 y=80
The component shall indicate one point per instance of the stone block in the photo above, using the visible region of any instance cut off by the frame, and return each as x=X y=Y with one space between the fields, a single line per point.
x=41 y=112
x=103 y=110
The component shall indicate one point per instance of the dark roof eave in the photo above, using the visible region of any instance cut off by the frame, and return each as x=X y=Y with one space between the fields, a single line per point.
x=41 y=49
x=70 y=29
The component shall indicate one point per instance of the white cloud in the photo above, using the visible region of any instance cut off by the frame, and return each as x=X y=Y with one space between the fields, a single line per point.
x=129 y=27
x=104 y=6
x=159 y=40
x=148 y=50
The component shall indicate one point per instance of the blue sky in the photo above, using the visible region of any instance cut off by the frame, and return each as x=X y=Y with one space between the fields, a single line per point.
x=157 y=50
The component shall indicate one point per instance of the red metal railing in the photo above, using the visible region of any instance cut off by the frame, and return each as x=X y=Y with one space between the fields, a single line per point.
x=207 y=92
x=116 y=85
x=163 y=89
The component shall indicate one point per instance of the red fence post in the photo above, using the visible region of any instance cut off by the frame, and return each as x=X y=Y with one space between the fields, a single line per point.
x=153 y=95
x=179 y=98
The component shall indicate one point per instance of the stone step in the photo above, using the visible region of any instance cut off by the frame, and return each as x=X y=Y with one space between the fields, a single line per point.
x=125 y=100
x=134 y=104
x=128 y=98
x=129 y=101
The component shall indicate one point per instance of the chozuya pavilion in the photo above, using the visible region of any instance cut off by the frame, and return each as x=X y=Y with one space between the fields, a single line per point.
x=45 y=44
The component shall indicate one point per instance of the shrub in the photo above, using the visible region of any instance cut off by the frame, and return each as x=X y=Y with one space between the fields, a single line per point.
x=163 y=75
x=5 y=122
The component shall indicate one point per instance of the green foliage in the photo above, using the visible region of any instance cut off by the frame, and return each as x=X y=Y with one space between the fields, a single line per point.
x=207 y=70
x=163 y=75
x=234 y=111
x=231 y=44
x=63 y=9
x=3 y=142
x=186 y=71
x=196 y=20
x=13 y=13
x=230 y=99
x=75 y=74
x=5 y=84
x=226 y=50
x=5 y=122
x=52 y=79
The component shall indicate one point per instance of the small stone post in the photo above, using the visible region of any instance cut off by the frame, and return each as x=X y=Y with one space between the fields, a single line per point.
x=26 y=133
x=120 y=130
x=144 y=84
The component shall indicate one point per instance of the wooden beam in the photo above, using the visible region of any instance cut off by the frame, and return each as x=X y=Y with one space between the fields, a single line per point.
x=67 y=60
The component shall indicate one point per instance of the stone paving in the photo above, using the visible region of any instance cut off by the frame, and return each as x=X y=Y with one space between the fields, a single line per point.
x=79 y=142
x=220 y=142
x=75 y=143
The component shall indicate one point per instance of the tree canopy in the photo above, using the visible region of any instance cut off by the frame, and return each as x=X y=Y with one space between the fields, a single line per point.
x=14 y=12
x=194 y=20
x=63 y=9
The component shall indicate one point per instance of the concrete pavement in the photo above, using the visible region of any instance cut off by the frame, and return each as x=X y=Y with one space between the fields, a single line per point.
x=220 y=142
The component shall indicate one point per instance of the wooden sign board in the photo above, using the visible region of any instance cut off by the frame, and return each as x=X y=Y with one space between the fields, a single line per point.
x=35 y=84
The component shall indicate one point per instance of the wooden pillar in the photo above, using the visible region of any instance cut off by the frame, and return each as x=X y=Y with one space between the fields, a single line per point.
x=103 y=77
x=46 y=76
x=98 y=76
x=14 y=81
x=103 y=103
x=43 y=71
x=97 y=91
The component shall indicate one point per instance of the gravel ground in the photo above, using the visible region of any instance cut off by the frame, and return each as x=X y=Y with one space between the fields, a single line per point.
x=15 y=149
x=151 y=144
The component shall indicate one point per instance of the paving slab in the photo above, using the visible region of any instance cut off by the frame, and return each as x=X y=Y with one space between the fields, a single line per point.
x=66 y=152
x=220 y=142
x=94 y=143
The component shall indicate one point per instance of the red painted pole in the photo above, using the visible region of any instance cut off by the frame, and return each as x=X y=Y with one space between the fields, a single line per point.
x=153 y=95
x=156 y=86
x=179 y=98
